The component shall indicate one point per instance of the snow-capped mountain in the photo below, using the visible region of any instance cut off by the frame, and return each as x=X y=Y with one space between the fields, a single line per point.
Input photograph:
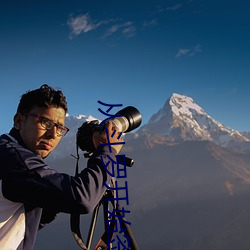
x=182 y=119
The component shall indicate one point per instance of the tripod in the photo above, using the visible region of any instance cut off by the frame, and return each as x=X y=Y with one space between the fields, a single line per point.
x=104 y=241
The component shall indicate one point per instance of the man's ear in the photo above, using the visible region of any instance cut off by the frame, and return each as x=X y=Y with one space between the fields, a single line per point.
x=18 y=119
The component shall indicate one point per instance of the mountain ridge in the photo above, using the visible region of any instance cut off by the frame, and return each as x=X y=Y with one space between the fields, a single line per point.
x=182 y=119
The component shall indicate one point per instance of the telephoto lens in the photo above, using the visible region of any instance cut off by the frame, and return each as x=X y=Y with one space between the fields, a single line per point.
x=126 y=120
x=129 y=119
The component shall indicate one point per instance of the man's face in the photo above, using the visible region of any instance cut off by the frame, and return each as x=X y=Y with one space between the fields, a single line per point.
x=35 y=137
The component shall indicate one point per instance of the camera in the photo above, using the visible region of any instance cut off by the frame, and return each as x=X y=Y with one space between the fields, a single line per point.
x=125 y=120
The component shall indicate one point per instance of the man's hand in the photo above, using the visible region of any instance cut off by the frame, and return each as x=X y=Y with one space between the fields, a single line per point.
x=99 y=138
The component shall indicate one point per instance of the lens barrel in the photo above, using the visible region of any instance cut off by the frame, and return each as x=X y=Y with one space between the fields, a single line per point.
x=128 y=120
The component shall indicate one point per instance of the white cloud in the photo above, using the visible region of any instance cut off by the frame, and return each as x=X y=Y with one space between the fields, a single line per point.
x=182 y=52
x=83 y=24
x=127 y=29
x=189 y=52
x=150 y=23
x=174 y=7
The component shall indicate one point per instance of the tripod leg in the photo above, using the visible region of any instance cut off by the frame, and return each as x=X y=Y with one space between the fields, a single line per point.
x=128 y=231
x=108 y=234
x=102 y=244
x=93 y=224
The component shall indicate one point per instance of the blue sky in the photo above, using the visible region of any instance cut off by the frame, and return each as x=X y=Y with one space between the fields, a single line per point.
x=128 y=52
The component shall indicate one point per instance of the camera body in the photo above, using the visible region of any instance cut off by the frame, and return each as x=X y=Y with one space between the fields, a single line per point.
x=125 y=120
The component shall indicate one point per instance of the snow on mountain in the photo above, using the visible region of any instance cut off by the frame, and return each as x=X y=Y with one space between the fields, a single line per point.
x=182 y=119
x=74 y=122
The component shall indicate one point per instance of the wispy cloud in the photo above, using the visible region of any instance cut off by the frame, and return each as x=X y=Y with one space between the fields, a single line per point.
x=127 y=29
x=150 y=23
x=174 y=7
x=189 y=51
x=182 y=52
x=83 y=24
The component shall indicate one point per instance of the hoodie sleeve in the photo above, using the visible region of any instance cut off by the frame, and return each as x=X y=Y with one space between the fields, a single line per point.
x=27 y=179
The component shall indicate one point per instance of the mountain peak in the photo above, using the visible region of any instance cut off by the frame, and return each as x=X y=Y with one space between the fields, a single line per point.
x=182 y=119
x=182 y=104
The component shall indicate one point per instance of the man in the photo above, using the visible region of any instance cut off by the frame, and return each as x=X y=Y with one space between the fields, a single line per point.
x=28 y=187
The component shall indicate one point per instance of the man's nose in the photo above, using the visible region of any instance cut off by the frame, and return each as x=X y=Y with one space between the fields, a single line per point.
x=52 y=132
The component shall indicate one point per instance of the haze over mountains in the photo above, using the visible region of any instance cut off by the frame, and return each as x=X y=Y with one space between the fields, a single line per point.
x=189 y=187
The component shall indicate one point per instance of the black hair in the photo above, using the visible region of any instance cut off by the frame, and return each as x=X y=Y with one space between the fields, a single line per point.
x=44 y=96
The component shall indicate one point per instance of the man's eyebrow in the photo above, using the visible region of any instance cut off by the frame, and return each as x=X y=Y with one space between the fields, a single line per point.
x=58 y=123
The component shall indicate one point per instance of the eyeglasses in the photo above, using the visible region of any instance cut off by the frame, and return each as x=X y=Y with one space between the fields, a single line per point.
x=49 y=124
